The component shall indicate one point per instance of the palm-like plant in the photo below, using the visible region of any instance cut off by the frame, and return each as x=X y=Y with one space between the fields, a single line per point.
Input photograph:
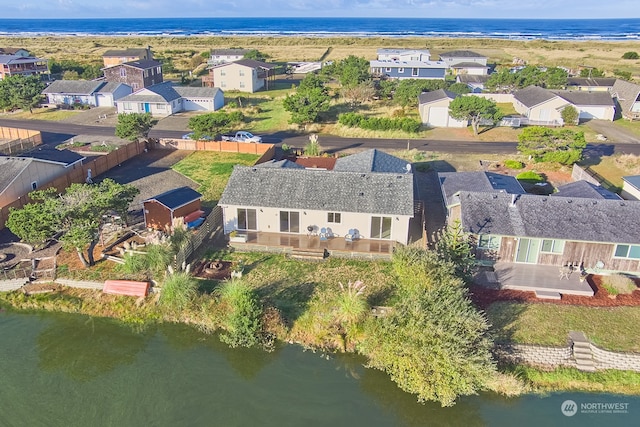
x=179 y=288
x=351 y=305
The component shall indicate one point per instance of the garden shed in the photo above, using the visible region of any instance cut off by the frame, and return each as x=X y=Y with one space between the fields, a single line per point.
x=160 y=211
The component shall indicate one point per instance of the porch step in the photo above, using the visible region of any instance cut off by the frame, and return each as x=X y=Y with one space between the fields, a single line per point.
x=582 y=352
x=548 y=295
x=309 y=254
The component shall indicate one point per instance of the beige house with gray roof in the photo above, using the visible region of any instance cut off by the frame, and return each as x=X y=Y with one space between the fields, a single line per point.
x=245 y=75
x=627 y=96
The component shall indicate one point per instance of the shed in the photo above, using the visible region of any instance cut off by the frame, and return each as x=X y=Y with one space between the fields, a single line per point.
x=160 y=211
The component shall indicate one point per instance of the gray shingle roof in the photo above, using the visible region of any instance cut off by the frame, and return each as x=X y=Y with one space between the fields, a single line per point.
x=73 y=87
x=125 y=52
x=49 y=154
x=586 y=98
x=229 y=51
x=10 y=168
x=161 y=92
x=472 y=78
x=531 y=96
x=468 y=65
x=594 y=81
x=111 y=87
x=626 y=93
x=196 y=92
x=371 y=161
x=586 y=190
x=452 y=183
x=590 y=220
x=435 y=95
x=142 y=64
x=15 y=59
x=461 y=54
x=280 y=164
x=251 y=63
x=177 y=197
x=634 y=180
x=374 y=193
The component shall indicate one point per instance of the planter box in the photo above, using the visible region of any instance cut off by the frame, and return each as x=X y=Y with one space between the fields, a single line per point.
x=238 y=238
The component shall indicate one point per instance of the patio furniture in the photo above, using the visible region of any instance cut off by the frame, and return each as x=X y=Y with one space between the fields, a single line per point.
x=351 y=235
x=565 y=271
x=323 y=234
x=312 y=230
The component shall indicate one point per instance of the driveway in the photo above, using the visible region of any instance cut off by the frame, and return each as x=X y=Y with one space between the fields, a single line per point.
x=613 y=132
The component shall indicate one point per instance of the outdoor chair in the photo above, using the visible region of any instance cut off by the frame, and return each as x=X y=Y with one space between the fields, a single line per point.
x=323 y=234
x=351 y=235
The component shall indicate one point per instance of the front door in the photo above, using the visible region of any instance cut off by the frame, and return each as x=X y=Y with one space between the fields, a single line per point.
x=289 y=222
x=527 y=251
x=147 y=109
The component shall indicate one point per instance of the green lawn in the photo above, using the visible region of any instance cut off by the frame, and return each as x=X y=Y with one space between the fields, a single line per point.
x=549 y=324
x=632 y=126
x=613 y=168
x=42 y=114
x=212 y=169
x=506 y=108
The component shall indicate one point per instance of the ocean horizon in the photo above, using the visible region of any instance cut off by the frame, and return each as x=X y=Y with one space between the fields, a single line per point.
x=510 y=29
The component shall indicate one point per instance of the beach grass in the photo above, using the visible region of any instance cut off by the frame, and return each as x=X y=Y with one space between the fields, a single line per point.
x=41 y=114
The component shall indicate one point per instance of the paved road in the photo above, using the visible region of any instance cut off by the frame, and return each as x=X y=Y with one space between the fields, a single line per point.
x=329 y=143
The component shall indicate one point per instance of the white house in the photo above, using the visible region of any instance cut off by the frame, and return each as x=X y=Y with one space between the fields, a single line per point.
x=465 y=62
x=434 y=109
x=83 y=92
x=371 y=192
x=404 y=55
x=221 y=56
x=590 y=105
x=164 y=99
x=245 y=75
x=631 y=187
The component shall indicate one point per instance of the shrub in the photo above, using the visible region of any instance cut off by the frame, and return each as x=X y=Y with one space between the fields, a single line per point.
x=529 y=176
x=630 y=55
x=406 y=124
x=618 y=284
x=563 y=157
x=570 y=115
x=232 y=104
x=242 y=322
x=178 y=290
x=513 y=164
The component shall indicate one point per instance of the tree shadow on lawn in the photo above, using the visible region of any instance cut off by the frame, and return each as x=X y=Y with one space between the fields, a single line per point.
x=291 y=300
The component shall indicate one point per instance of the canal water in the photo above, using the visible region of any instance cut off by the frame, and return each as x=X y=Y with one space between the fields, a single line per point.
x=71 y=370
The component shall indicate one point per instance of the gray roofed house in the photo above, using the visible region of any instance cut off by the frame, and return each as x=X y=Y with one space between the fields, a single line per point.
x=73 y=87
x=564 y=218
x=586 y=190
x=594 y=83
x=143 y=64
x=531 y=96
x=196 y=92
x=452 y=183
x=394 y=54
x=159 y=93
x=140 y=52
x=10 y=169
x=279 y=164
x=468 y=65
x=164 y=99
x=371 y=161
x=586 y=98
x=465 y=62
x=252 y=63
x=627 y=96
x=97 y=93
x=475 y=82
x=435 y=95
x=65 y=157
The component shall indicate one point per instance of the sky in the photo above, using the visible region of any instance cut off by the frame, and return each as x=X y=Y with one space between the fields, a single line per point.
x=324 y=8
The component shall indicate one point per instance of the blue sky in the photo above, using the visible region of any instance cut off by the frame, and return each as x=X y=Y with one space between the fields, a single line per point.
x=310 y=8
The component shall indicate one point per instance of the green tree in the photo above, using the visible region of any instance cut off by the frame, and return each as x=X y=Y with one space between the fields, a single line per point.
x=256 y=55
x=386 y=88
x=474 y=108
x=569 y=115
x=630 y=55
x=434 y=342
x=20 y=91
x=591 y=72
x=552 y=145
x=456 y=246
x=77 y=214
x=407 y=91
x=70 y=75
x=212 y=124
x=352 y=71
x=555 y=78
x=92 y=71
x=309 y=100
x=503 y=81
x=311 y=81
x=459 y=88
x=134 y=126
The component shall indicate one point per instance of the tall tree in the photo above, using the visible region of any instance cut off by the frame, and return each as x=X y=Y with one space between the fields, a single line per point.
x=134 y=126
x=555 y=78
x=474 y=108
x=552 y=145
x=19 y=91
x=77 y=214
x=310 y=99
x=406 y=94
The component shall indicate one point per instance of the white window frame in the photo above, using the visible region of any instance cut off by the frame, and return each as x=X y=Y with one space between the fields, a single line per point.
x=123 y=72
x=415 y=72
x=488 y=241
x=387 y=70
x=627 y=253
x=334 y=217
x=401 y=70
x=557 y=246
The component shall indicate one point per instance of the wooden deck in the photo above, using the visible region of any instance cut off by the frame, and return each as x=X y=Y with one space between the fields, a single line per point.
x=336 y=246
x=541 y=278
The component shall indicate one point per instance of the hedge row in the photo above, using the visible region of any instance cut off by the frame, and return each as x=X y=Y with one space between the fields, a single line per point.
x=379 y=123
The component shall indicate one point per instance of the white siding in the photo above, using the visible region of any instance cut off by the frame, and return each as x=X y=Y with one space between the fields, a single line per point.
x=596 y=112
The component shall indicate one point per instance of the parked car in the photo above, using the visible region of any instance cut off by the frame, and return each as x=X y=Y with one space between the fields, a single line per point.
x=241 y=136
x=191 y=135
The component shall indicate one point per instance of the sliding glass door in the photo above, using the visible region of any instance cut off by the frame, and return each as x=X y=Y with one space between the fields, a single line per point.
x=380 y=227
x=289 y=222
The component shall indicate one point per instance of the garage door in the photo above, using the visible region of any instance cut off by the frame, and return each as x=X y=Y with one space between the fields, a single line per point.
x=591 y=112
x=104 y=100
x=197 y=104
x=439 y=116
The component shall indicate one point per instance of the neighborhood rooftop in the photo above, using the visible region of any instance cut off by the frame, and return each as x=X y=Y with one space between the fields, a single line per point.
x=142 y=64
x=371 y=161
x=125 y=52
x=453 y=183
x=177 y=197
x=577 y=219
x=461 y=54
x=375 y=193
x=224 y=52
x=585 y=97
x=408 y=64
x=586 y=190
x=594 y=81
x=48 y=154
x=531 y=96
x=10 y=168
x=627 y=94
x=435 y=95
x=74 y=87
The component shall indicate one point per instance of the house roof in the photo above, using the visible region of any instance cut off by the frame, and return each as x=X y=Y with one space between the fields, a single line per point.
x=386 y=51
x=52 y=155
x=461 y=54
x=531 y=96
x=197 y=92
x=566 y=218
x=111 y=87
x=472 y=78
x=11 y=50
x=125 y=52
x=251 y=63
x=586 y=190
x=280 y=164
x=10 y=168
x=468 y=65
x=599 y=98
x=73 y=87
x=633 y=180
x=177 y=197
x=627 y=94
x=594 y=82
x=387 y=63
x=228 y=51
x=16 y=59
x=371 y=161
x=159 y=93
x=142 y=64
x=435 y=95
x=373 y=193
x=452 y=183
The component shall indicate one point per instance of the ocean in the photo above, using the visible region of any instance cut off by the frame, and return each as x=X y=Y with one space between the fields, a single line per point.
x=516 y=29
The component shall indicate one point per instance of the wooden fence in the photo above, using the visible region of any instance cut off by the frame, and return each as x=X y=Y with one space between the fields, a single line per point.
x=224 y=146
x=98 y=165
x=19 y=140
x=210 y=229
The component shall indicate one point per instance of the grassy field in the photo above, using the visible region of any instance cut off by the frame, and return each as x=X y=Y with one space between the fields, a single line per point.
x=572 y=54
x=613 y=168
x=212 y=171
x=550 y=324
x=41 y=114
x=632 y=126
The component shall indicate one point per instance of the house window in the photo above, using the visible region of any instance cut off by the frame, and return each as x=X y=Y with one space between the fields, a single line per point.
x=223 y=84
x=627 y=251
x=123 y=72
x=401 y=70
x=289 y=222
x=334 y=217
x=159 y=69
x=247 y=219
x=146 y=73
x=134 y=86
x=553 y=246
x=387 y=70
x=222 y=73
x=380 y=227
x=241 y=84
x=415 y=72
x=126 y=105
x=489 y=242
x=241 y=73
x=160 y=106
x=34 y=185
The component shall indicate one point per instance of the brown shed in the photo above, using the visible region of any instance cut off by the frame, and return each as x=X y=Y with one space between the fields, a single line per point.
x=159 y=211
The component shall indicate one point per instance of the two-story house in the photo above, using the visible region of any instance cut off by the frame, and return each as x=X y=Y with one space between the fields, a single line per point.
x=222 y=56
x=245 y=75
x=138 y=74
x=120 y=56
x=403 y=55
x=18 y=51
x=407 y=64
x=465 y=62
x=12 y=65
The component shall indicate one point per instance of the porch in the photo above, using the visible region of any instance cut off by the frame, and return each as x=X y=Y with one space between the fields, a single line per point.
x=545 y=280
x=311 y=244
